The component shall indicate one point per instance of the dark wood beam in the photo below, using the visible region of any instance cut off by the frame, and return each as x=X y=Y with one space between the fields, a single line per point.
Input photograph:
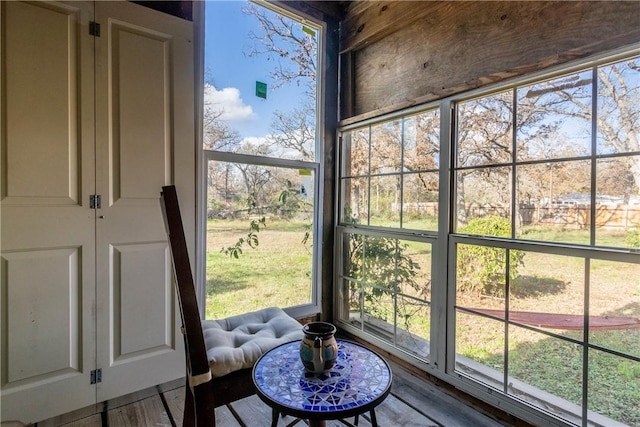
x=180 y=8
x=322 y=10
x=366 y=22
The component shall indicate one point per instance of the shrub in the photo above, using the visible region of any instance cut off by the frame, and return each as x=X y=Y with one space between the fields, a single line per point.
x=383 y=264
x=633 y=239
x=482 y=268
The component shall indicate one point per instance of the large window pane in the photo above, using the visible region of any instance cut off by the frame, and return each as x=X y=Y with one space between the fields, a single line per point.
x=485 y=130
x=554 y=201
x=260 y=81
x=617 y=203
x=420 y=201
x=259 y=123
x=614 y=389
x=614 y=306
x=259 y=237
x=554 y=118
x=483 y=193
x=618 y=108
x=541 y=366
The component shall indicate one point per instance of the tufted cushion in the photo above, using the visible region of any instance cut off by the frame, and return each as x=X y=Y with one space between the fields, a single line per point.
x=237 y=342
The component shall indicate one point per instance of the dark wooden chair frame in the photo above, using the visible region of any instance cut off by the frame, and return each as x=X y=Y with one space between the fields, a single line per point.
x=203 y=393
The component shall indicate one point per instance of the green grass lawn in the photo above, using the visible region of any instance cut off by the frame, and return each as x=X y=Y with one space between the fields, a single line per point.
x=556 y=284
x=555 y=366
x=275 y=273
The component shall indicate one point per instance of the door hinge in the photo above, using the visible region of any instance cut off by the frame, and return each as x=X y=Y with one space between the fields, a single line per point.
x=96 y=376
x=95 y=201
x=94 y=29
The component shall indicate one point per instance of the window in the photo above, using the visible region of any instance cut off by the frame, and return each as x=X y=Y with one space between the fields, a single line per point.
x=262 y=176
x=389 y=209
x=540 y=266
x=547 y=285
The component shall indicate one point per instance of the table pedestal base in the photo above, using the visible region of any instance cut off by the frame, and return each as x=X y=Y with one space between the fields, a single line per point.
x=323 y=423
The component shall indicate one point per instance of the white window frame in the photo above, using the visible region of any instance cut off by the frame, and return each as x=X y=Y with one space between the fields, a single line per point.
x=316 y=260
x=204 y=156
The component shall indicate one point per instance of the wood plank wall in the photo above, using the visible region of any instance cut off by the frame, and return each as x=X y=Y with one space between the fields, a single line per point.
x=395 y=54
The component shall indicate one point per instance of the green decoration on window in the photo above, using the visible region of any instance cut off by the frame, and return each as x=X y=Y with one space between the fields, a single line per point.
x=261 y=90
x=309 y=31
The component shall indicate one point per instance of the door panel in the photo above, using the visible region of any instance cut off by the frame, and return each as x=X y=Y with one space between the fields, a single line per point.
x=130 y=288
x=47 y=228
x=44 y=319
x=142 y=130
x=42 y=143
x=141 y=113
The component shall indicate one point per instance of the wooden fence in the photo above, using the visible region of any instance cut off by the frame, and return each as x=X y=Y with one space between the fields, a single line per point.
x=619 y=217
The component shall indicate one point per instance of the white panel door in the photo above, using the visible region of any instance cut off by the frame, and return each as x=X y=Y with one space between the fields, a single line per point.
x=145 y=139
x=47 y=228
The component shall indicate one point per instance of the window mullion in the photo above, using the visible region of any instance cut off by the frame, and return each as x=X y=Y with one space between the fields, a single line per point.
x=442 y=295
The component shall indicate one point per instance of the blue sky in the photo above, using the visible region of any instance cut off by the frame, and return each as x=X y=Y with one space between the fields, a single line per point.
x=234 y=74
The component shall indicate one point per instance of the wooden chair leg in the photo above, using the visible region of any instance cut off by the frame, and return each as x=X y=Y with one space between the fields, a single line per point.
x=189 y=414
x=199 y=410
x=204 y=405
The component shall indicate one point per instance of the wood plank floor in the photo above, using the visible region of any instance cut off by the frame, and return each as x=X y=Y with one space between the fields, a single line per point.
x=413 y=402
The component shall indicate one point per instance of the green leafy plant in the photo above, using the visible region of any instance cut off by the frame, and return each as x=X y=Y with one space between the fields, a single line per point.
x=483 y=268
x=289 y=204
x=381 y=263
x=289 y=201
x=633 y=239
x=250 y=239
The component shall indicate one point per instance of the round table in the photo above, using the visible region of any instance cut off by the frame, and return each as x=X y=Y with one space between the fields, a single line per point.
x=358 y=382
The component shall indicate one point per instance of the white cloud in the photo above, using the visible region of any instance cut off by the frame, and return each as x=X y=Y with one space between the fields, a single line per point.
x=227 y=101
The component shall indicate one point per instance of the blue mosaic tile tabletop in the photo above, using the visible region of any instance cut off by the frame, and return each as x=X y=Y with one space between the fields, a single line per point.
x=359 y=380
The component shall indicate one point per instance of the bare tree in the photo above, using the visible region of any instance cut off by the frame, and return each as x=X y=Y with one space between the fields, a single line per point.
x=553 y=130
x=293 y=49
x=217 y=134
x=617 y=116
x=618 y=121
x=283 y=41
x=485 y=129
x=295 y=131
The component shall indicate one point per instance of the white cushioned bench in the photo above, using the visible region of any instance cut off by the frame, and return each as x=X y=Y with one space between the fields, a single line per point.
x=237 y=342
